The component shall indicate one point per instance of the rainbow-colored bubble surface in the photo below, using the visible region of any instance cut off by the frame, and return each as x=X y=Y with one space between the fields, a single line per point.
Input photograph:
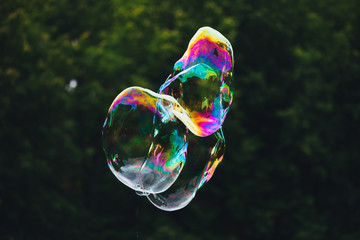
x=166 y=145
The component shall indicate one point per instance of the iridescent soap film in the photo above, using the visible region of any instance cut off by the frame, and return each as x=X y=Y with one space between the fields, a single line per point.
x=166 y=145
x=201 y=80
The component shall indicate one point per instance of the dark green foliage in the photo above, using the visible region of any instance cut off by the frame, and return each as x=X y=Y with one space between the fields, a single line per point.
x=292 y=133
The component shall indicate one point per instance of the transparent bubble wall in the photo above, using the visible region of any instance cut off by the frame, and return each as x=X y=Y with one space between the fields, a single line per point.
x=166 y=145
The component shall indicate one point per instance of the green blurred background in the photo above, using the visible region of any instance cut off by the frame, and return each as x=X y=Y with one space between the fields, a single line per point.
x=292 y=158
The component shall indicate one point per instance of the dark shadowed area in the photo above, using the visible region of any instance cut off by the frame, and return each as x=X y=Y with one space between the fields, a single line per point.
x=292 y=158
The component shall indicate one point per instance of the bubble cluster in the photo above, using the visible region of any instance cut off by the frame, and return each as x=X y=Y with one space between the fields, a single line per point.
x=166 y=145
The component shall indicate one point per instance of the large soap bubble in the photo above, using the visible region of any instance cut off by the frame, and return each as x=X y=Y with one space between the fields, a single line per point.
x=166 y=145
x=128 y=133
x=201 y=81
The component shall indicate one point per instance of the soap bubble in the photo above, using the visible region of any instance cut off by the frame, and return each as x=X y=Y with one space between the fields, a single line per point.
x=128 y=134
x=201 y=81
x=203 y=156
x=166 y=145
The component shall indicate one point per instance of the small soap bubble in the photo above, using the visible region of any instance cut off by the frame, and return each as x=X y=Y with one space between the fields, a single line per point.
x=70 y=87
